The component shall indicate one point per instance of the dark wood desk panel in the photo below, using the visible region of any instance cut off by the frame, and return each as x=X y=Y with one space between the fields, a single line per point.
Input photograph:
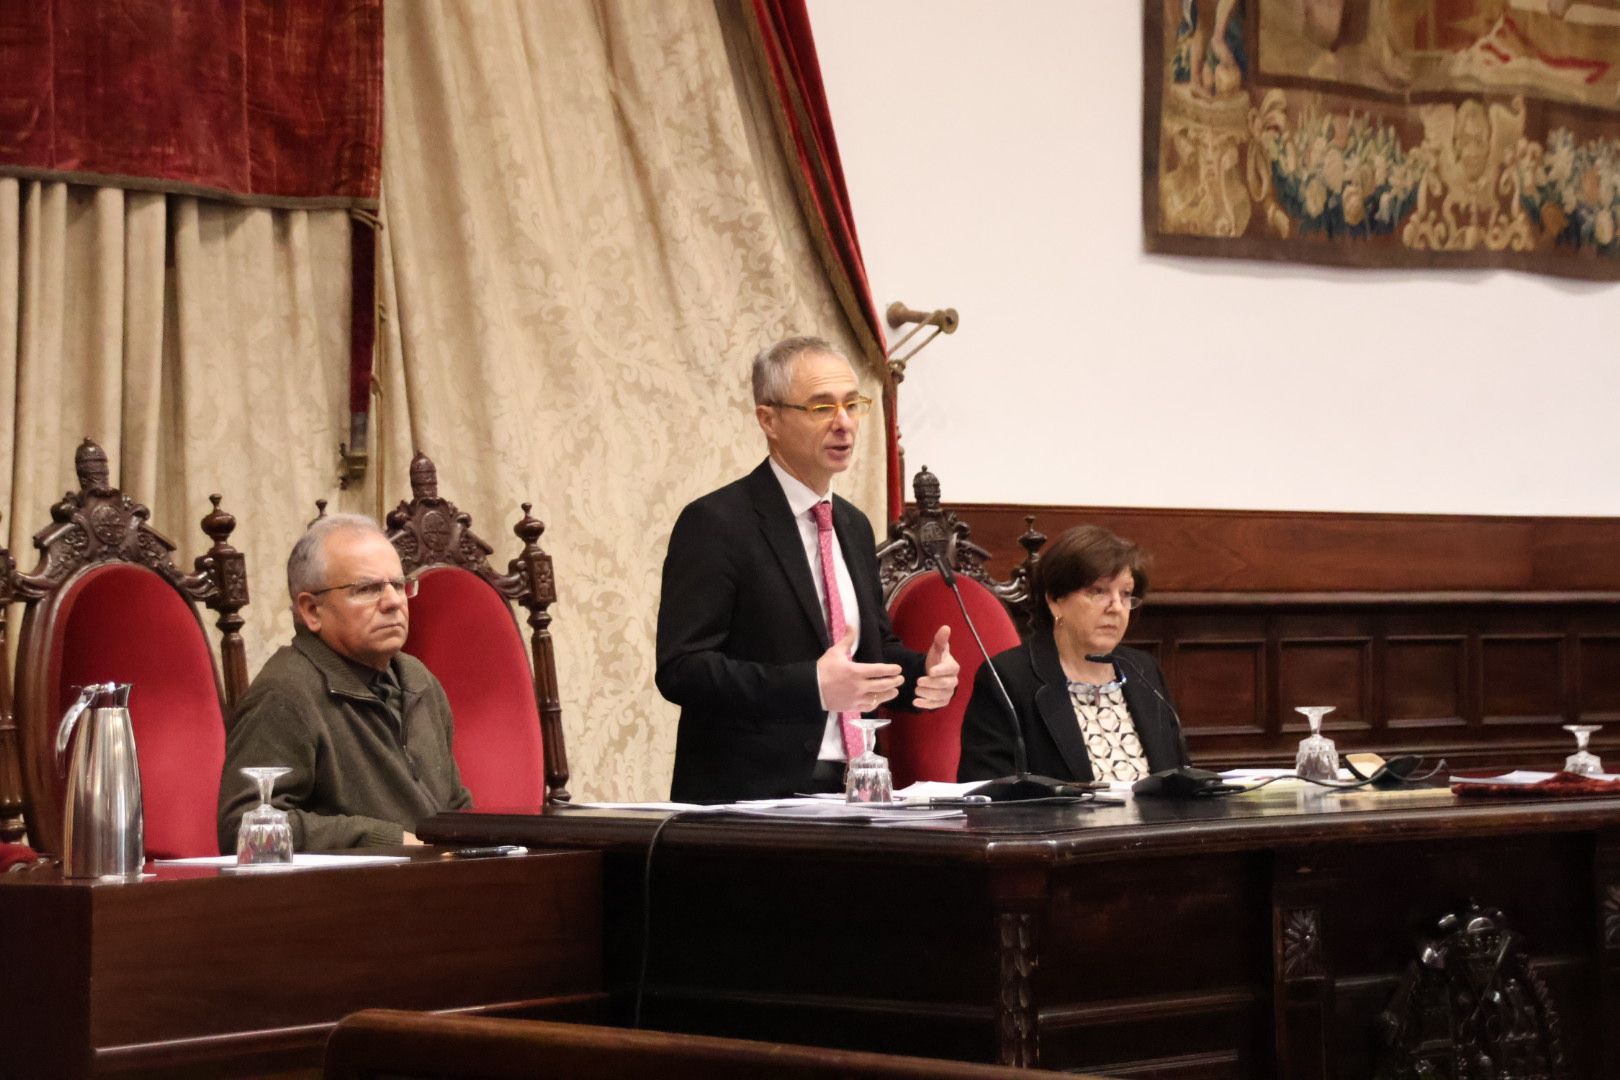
x=227 y=974
x=1253 y=937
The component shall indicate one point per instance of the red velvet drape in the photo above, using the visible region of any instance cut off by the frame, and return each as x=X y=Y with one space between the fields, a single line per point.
x=264 y=103
x=790 y=50
x=267 y=103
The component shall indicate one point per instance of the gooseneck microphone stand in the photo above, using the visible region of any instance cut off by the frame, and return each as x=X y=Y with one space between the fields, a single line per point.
x=1021 y=786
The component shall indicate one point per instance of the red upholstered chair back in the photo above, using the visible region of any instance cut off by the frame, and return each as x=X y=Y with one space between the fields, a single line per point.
x=509 y=739
x=928 y=745
x=464 y=631
x=122 y=623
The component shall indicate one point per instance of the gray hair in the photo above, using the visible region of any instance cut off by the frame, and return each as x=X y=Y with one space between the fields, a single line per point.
x=306 y=566
x=773 y=367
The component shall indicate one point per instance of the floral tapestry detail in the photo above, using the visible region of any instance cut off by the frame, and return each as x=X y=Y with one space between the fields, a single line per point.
x=1456 y=133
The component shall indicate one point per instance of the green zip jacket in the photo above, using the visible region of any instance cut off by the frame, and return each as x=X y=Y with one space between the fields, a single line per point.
x=358 y=777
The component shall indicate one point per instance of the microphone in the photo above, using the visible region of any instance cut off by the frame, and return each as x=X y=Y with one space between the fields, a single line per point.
x=945 y=572
x=1116 y=658
x=1021 y=786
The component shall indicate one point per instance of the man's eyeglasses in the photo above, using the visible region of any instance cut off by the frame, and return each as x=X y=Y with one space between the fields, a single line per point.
x=1100 y=597
x=370 y=592
x=823 y=412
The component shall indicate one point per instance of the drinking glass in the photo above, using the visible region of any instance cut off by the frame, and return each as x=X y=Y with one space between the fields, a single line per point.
x=1318 y=758
x=867 y=779
x=1583 y=762
x=265 y=836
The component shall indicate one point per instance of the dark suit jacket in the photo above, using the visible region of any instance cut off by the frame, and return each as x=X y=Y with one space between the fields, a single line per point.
x=1040 y=692
x=739 y=632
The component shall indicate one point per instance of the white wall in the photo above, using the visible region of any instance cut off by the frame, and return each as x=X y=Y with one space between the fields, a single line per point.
x=992 y=151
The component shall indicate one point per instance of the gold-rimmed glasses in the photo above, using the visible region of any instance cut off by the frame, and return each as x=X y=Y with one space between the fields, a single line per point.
x=823 y=412
x=370 y=592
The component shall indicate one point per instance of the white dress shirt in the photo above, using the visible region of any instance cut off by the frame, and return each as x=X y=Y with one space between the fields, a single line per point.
x=800 y=500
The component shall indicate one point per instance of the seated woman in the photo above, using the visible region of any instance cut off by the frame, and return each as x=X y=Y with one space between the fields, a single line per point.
x=1082 y=719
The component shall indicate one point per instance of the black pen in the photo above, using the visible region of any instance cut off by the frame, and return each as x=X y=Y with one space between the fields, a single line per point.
x=958 y=800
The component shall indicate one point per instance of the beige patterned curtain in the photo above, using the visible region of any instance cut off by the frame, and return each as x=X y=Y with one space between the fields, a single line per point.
x=590 y=229
x=205 y=348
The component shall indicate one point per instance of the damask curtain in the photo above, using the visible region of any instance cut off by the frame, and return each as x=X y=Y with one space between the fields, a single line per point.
x=204 y=346
x=590 y=228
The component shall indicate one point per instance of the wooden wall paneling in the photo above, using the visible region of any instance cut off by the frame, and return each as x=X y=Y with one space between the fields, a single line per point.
x=1325 y=671
x=1299 y=551
x=1597 y=677
x=1524 y=679
x=1425 y=681
x=1480 y=683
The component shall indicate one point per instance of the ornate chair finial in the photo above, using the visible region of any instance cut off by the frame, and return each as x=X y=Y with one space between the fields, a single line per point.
x=424 y=477
x=90 y=463
x=926 y=486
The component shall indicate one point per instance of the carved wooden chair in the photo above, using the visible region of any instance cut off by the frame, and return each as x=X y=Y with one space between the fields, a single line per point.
x=928 y=745
x=509 y=740
x=107 y=603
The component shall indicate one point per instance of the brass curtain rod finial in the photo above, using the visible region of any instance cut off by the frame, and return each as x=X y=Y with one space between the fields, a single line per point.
x=941 y=321
x=899 y=315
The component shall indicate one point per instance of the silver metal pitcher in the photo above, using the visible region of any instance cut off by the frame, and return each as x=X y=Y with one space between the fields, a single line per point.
x=103 y=830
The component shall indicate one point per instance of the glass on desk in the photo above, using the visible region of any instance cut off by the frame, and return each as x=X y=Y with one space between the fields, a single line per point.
x=265 y=836
x=867 y=779
x=1318 y=758
x=1583 y=762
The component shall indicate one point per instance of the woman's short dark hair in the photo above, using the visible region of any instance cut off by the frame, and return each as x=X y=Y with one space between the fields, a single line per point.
x=1079 y=557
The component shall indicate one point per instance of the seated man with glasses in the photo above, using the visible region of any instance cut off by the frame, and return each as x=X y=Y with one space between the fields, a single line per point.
x=364 y=728
x=1089 y=707
x=772 y=634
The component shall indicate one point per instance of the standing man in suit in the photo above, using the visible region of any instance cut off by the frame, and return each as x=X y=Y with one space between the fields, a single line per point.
x=768 y=655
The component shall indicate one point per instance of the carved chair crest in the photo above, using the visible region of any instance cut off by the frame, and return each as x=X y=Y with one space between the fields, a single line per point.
x=929 y=532
x=1471 y=1007
x=99 y=523
x=431 y=531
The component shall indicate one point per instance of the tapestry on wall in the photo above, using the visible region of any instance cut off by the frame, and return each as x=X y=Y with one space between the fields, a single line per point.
x=1385 y=133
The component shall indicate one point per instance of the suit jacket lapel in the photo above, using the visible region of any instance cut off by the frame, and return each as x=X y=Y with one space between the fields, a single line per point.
x=1055 y=706
x=782 y=534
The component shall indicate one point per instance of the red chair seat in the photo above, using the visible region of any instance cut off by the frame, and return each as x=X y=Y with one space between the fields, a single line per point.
x=928 y=745
x=118 y=622
x=463 y=630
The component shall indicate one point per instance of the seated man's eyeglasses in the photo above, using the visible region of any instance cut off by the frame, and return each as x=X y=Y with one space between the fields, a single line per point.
x=369 y=592
x=824 y=411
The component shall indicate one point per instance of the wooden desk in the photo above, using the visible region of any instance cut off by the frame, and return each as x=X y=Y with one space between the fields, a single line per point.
x=1257 y=936
x=194 y=972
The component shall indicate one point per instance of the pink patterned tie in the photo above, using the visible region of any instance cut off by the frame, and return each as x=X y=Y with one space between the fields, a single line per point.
x=835 y=612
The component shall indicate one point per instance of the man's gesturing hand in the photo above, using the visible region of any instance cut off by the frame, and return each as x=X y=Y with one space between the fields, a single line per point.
x=938 y=683
x=850 y=687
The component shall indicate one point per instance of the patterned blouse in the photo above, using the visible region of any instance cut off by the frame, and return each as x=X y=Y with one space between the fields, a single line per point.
x=1109 y=732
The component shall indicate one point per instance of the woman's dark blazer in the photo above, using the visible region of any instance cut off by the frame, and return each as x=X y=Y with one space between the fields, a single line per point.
x=1040 y=692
